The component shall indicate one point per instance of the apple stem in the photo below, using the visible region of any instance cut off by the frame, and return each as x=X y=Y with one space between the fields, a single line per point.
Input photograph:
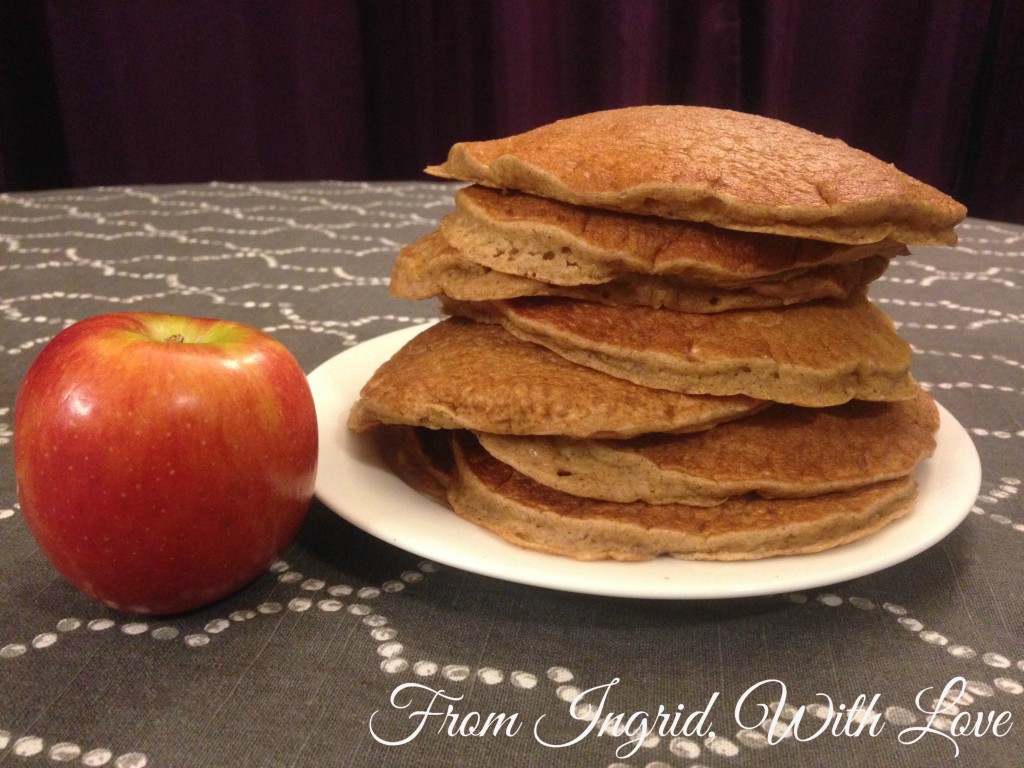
x=176 y=339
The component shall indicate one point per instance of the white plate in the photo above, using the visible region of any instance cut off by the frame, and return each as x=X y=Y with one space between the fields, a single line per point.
x=354 y=482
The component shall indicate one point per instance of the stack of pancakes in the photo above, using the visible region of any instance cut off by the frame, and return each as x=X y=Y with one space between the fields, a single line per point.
x=660 y=339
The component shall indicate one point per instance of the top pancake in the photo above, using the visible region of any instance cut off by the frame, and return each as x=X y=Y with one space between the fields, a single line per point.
x=564 y=244
x=729 y=169
x=460 y=374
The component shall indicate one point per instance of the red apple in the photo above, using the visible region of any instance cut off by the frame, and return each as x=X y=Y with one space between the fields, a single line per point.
x=163 y=462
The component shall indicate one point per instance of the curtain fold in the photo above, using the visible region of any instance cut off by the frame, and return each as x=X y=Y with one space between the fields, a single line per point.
x=124 y=92
x=902 y=91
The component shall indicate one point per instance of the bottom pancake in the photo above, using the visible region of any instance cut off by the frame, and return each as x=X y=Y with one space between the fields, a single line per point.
x=494 y=496
x=421 y=457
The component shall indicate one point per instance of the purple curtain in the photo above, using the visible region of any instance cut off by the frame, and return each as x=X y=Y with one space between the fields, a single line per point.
x=126 y=92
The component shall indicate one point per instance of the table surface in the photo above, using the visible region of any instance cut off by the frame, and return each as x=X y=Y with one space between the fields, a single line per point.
x=348 y=643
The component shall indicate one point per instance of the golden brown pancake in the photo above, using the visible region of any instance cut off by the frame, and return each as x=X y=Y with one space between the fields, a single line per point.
x=815 y=354
x=464 y=375
x=431 y=267
x=496 y=497
x=564 y=244
x=729 y=169
x=783 y=451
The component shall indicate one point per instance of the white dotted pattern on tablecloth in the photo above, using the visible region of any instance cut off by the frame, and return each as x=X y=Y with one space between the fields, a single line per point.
x=355 y=603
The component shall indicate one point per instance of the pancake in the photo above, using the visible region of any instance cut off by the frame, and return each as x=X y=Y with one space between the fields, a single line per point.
x=564 y=244
x=431 y=267
x=460 y=374
x=496 y=497
x=729 y=169
x=784 y=451
x=421 y=457
x=815 y=354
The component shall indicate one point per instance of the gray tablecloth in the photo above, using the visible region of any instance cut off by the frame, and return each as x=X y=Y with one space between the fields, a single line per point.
x=348 y=642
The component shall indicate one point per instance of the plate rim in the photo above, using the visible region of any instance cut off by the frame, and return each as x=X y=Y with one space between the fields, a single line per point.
x=664 y=578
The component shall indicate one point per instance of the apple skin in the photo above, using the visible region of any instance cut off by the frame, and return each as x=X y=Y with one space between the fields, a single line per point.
x=163 y=462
